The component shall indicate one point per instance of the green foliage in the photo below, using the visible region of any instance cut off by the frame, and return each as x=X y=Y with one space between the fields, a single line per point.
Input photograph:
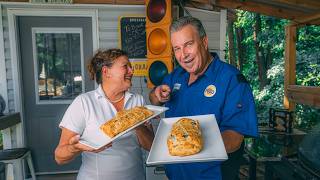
x=308 y=56
x=272 y=94
x=262 y=147
x=306 y=117
x=308 y=64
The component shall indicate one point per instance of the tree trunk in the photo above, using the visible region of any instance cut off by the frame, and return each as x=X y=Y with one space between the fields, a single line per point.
x=262 y=69
x=268 y=57
x=232 y=51
x=241 y=49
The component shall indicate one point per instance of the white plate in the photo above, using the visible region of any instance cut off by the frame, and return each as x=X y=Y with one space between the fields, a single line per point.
x=213 y=147
x=97 y=138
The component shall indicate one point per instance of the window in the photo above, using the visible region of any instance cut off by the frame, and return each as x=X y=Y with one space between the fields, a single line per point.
x=58 y=64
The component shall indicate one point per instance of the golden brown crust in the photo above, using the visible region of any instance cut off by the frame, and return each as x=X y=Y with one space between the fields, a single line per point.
x=185 y=138
x=124 y=120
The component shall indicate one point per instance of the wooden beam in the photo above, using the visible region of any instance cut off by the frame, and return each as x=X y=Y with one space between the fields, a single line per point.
x=201 y=5
x=131 y=2
x=290 y=64
x=260 y=7
x=310 y=19
x=202 y=1
x=309 y=4
x=317 y=22
x=315 y=90
x=308 y=95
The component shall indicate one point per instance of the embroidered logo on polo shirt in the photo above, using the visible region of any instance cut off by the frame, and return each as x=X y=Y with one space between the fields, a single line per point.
x=176 y=87
x=210 y=91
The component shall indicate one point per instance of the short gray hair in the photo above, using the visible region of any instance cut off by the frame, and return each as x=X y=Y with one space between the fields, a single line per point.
x=186 y=20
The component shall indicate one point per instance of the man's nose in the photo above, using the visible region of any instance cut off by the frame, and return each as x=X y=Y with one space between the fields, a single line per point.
x=184 y=53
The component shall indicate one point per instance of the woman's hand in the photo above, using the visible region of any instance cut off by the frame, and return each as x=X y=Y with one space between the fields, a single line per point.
x=103 y=148
x=69 y=147
x=75 y=146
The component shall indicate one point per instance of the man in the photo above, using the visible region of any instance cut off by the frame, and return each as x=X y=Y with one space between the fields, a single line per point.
x=205 y=85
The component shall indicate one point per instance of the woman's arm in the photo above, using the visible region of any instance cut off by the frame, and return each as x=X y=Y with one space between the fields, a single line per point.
x=66 y=149
x=69 y=147
x=145 y=135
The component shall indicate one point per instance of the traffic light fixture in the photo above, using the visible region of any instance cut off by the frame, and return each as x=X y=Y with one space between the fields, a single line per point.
x=159 y=51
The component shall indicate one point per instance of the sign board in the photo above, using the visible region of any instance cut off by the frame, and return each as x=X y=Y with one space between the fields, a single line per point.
x=133 y=36
x=139 y=67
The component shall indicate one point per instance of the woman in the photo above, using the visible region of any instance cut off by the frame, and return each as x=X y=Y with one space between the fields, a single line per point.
x=121 y=160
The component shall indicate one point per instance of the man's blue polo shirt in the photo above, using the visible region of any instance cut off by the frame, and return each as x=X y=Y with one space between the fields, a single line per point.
x=222 y=91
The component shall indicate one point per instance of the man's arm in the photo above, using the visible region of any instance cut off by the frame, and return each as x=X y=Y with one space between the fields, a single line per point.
x=232 y=140
x=159 y=95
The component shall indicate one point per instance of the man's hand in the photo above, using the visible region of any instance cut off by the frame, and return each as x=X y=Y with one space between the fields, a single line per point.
x=162 y=93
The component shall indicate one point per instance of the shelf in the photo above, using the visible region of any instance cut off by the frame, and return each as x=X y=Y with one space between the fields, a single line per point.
x=8 y=120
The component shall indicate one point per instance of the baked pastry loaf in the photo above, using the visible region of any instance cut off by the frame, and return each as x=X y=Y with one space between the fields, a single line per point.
x=185 y=138
x=124 y=120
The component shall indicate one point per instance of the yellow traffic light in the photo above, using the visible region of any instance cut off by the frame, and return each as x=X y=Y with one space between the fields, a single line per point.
x=159 y=51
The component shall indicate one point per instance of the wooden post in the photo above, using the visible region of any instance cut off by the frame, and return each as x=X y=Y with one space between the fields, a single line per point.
x=290 y=64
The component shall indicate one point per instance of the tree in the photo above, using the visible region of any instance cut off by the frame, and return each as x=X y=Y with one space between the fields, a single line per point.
x=241 y=47
x=262 y=68
x=231 y=42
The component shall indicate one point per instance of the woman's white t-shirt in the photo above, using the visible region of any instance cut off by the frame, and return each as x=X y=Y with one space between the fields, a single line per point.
x=122 y=161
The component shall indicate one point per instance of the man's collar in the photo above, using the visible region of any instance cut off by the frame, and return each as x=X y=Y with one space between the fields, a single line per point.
x=210 y=66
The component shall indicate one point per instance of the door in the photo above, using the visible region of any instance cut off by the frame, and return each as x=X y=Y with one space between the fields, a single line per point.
x=54 y=53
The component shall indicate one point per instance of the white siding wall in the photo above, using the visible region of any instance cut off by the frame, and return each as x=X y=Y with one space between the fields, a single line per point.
x=9 y=96
x=3 y=71
x=215 y=26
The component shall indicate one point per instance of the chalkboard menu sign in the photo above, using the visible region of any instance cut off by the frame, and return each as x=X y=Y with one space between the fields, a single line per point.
x=133 y=36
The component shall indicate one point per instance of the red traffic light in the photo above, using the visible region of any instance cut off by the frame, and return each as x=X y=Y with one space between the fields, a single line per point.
x=156 y=10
